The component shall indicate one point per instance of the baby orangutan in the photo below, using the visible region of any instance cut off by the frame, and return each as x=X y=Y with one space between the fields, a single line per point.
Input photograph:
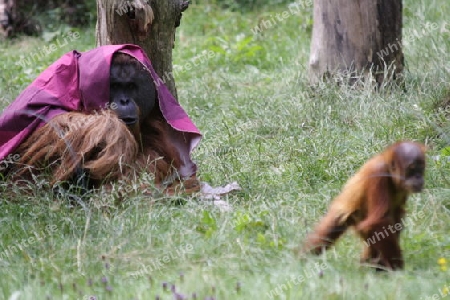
x=373 y=201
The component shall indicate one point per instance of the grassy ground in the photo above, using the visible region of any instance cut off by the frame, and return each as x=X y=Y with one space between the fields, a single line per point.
x=290 y=147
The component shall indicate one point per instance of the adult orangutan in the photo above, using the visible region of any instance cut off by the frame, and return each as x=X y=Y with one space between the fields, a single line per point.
x=103 y=115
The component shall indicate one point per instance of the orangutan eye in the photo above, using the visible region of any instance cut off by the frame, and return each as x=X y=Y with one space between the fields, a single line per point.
x=416 y=168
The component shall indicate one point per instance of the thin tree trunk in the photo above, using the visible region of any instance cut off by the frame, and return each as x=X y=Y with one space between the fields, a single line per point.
x=149 y=24
x=357 y=36
x=8 y=15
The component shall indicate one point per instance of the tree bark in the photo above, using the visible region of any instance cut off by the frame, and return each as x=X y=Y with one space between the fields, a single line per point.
x=149 y=24
x=8 y=15
x=357 y=37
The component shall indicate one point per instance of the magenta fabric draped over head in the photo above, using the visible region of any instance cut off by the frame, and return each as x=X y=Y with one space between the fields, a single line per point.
x=79 y=81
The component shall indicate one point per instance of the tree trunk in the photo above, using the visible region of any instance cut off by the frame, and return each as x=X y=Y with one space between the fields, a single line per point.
x=8 y=15
x=149 y=24
x=357 y=37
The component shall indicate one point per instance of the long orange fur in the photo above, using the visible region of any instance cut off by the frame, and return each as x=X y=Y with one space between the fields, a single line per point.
x=102 y=145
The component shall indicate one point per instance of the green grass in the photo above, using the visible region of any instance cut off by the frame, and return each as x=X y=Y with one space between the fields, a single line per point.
x=290 y=147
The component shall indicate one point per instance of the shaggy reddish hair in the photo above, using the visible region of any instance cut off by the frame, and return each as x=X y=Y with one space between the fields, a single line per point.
x=104 y=147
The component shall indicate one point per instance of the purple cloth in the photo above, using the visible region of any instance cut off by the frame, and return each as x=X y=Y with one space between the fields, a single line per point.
x=80 y=82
